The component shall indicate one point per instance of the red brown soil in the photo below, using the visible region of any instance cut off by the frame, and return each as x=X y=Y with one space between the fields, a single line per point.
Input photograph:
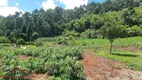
x=22 y=57
x=40 y=77
x=129 y=48
x=97 y=68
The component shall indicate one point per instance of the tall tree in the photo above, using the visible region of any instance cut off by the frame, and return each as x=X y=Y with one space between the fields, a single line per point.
x=112 y=32
x=29 y=30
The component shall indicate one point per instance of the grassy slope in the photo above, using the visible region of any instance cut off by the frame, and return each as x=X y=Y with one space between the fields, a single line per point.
x=104 y=42
x=132 y=59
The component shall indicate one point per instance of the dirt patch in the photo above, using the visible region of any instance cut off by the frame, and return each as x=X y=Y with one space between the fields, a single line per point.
x=23 y=58
x=40 y=77
x=97 y=68
x=129 y=48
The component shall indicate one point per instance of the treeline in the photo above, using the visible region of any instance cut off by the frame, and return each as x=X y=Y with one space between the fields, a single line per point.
x=85 y=20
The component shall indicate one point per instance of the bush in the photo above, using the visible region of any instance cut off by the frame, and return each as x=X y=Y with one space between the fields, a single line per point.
x=35 y=35
x=70 y=37
x=3 y=40
x=60 y=40
x=23 y=36
x=65 y=40
x=90 y=34
x=39 y=44
x=135 y=31
x=20 y=41
x=71 y=33
x=138 y=45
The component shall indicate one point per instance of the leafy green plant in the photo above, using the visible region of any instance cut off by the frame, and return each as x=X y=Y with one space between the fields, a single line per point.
x=59 y=62
x=20 y=41
x=3 y=40
x=138 y=45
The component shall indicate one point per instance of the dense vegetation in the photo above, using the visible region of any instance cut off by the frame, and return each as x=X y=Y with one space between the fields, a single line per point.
x=85 y=20
x=59 y=62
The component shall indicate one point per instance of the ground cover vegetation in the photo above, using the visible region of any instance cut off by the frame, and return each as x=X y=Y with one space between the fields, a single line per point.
x=59 y=62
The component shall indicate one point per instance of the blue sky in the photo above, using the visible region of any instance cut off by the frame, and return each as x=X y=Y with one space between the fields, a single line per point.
x=11 y=6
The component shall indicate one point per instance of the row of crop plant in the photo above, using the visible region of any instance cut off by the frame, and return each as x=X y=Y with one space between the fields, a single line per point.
x=62 y=63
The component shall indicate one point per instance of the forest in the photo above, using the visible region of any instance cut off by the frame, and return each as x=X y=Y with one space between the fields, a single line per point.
x=85 y=21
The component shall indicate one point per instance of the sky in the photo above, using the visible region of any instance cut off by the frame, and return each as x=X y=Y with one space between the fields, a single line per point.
x=11 y=6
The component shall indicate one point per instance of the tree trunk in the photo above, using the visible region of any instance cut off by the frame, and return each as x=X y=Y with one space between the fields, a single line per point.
x=111 y=46
x=30 y=41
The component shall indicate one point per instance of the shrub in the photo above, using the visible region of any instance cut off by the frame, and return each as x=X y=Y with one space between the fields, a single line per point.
x=39 y=44
x=1 y=32
x=20 y=41
x=65 y=40
x=23 y=36
x=135 y=31
x=90 y=34
x=3 y=40
x=70 y=38
x=60 y=40
x=35 y=35
x=138 y=45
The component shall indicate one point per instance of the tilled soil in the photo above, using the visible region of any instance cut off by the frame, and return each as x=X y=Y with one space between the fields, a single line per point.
x=23 y=58
x=98 y=68
x=39 y=77
x=129 y=48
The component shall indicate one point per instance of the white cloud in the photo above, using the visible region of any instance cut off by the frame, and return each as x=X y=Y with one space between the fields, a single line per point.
x=5 y=10
x=70 y=4
x=3 y=3
x=37 y=2
x=17 y=4
x=48 y=4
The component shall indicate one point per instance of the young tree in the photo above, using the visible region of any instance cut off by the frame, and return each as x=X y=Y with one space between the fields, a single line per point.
x=29 y=30
x=112 y=32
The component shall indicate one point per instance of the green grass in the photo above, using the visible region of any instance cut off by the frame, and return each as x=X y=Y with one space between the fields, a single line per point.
x=105 y=42
x=132 y=59
x=96 y=42
x=46 y=39
x=127 y=41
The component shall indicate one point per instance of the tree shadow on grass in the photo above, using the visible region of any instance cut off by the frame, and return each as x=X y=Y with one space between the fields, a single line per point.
x=125 y=55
